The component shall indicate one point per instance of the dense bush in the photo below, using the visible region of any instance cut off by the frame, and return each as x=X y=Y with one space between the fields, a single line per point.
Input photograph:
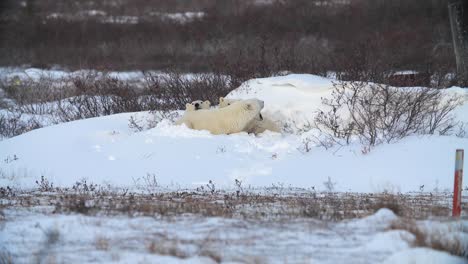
x=46 y=100
x=361 y=40
x=377 y=113
x=12 y=124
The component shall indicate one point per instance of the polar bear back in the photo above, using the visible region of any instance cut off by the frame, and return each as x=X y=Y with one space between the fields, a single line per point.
x=257 y=125
x=231 y=119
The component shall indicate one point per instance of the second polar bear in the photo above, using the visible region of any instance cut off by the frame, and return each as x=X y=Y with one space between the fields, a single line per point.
x=258 y=125
x=228 y=120
x=197 y=105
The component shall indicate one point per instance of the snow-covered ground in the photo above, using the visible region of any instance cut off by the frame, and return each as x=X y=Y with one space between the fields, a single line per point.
x=38 y=235
x=103 y=17
x=56 y=74
x=30 y=235
x=13 y=74
x=106 y=151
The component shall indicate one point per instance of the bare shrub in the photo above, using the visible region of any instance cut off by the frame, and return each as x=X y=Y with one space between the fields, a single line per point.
x=364 y=38
x=96 y=95
x=84 y=187
x=13 y=124
x=45 y=100
x=135 y=124
x=34 y=96
x=6 y=191
x=377 y=113
x=461 y=130
x=174 y=90
x=390 y=201
x=148 y=183
x=138 y=124
x=6 y=257
x=44 y=185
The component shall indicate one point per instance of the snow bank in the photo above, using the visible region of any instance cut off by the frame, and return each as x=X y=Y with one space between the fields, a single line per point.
x=134 y=239
x=295 y=97
x=423 y=256
x=104 y=150
x=35 y=74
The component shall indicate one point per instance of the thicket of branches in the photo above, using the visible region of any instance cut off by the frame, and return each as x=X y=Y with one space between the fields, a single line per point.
x=235 y=40
x=377 y=113
x=34 y=102
x=363 y=39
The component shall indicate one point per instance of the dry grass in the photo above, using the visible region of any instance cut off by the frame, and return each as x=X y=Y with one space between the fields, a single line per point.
x=166 y=248
x=269 y=205
x=102 y=243
x=278 y=204
x=433 y=238
x=5 y=257
x=362 y=39
x=215 y=256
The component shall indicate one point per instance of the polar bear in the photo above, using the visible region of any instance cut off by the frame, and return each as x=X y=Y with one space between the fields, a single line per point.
x=258 y=125
x=227 y=120
x=223 y=102
x=189 y=107
x=197 y=105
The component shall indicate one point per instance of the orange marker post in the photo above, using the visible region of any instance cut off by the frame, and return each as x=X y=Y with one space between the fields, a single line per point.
x=457 y=186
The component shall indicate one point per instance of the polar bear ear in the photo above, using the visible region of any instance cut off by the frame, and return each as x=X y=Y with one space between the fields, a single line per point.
x=207 y=102
x=188 y=106
x=221 y=99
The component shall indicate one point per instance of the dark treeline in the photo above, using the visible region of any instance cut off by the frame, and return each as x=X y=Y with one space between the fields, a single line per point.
x=359 y=38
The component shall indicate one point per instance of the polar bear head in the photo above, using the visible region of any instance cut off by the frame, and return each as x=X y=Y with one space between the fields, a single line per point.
x=223 y=102
x=189 y=107
x=197 y=105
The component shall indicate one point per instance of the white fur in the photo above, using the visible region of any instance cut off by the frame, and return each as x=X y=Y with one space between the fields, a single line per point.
x=189 y=107
x=223 y=102
x=257 y=125
x=231 y=119
x=201 y=105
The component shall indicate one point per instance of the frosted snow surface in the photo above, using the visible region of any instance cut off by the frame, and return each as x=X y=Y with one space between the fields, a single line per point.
x=91 y=239
x=105 y=150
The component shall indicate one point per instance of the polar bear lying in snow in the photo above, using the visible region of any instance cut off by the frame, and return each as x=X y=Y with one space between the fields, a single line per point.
x=197 y=105
x=227 y=120
x=257 y=125
x=223 y=102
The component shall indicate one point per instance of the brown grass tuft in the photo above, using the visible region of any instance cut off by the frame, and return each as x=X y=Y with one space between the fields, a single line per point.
x=437 y=239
